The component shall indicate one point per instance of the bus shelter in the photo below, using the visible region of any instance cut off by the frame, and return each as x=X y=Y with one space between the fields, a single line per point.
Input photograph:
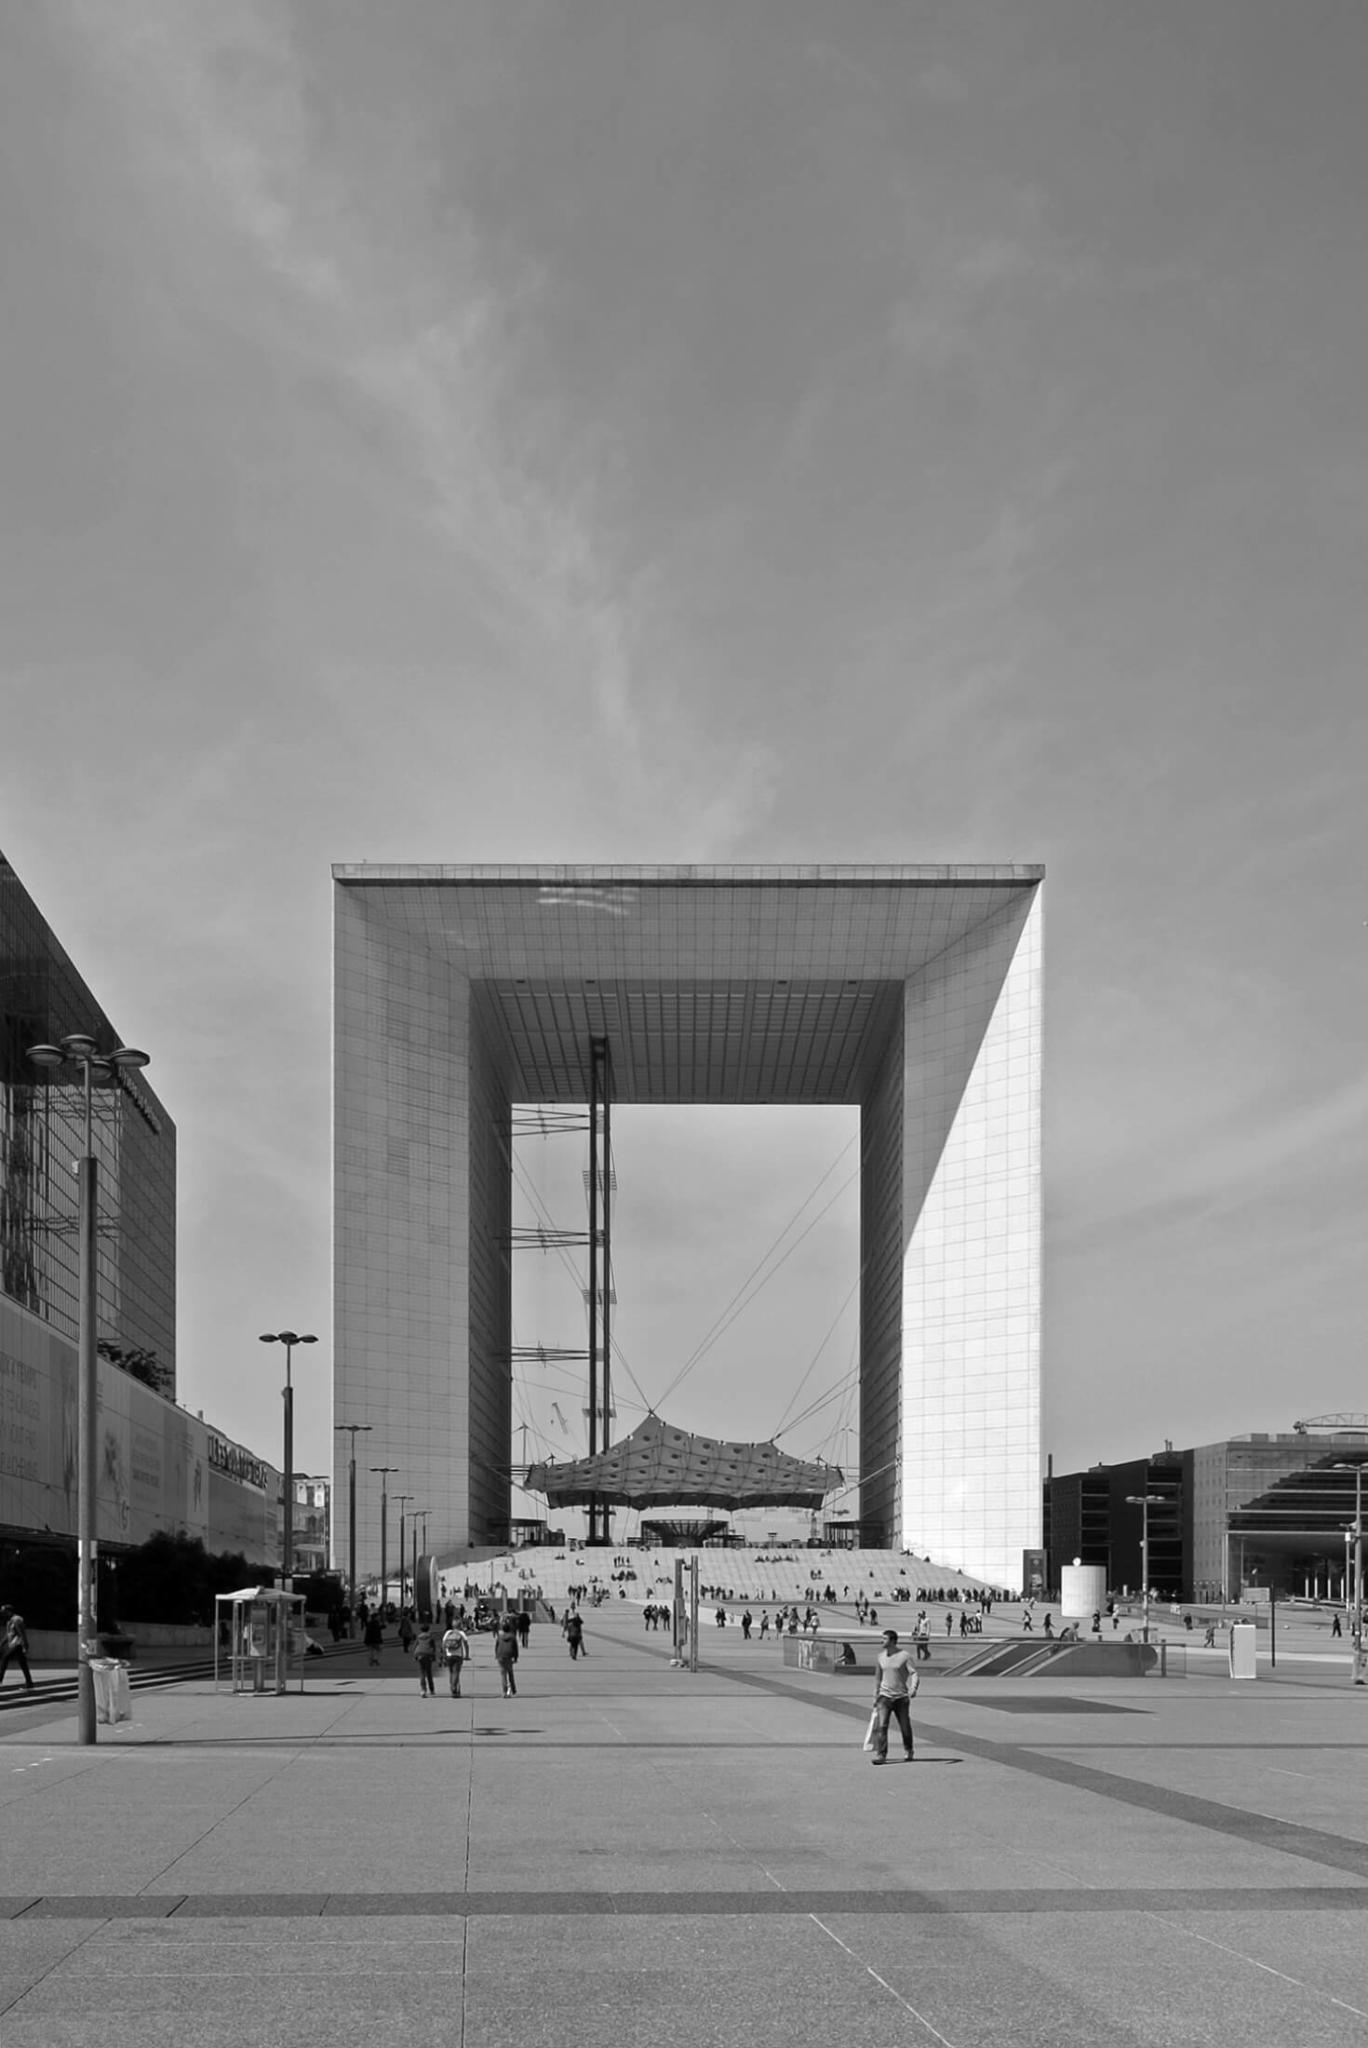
x=264 y=1627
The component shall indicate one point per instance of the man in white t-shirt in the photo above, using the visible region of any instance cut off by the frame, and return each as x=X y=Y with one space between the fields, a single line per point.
x=895 y=1685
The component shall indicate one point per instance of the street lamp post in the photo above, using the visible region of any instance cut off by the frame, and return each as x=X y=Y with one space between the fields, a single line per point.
x=78 y=1049
x=289 y=1339
x=353 y=1429
x=1357 y=1470
x=403 y=1500
x=419 y=1514
x=1145 y=1501
x=384 y=1472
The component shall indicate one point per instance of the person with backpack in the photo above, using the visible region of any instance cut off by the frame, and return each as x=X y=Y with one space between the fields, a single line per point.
x=374 y=1635
x=506 y=1654
x=14 y=1646
x=425 y=1650
x=574 y=1636
x=455 y=1650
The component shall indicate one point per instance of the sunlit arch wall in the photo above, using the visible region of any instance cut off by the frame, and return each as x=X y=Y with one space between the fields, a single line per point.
x=913 y=992
x=970 y=1422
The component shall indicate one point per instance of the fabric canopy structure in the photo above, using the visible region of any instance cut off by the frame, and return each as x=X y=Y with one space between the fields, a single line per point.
x=657 y=1466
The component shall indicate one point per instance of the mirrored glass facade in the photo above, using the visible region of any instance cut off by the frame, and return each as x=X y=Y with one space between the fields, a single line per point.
x=42 y=1132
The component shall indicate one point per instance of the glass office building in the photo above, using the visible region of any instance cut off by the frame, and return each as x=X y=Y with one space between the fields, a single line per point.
x=42 y=1131
x=157 y=1467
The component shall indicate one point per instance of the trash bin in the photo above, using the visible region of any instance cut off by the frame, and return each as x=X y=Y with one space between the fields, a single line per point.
x=113 y=1696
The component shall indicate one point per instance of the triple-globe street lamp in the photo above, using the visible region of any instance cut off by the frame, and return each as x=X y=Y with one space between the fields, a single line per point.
x=1145 y=1501
x=289 y=1339
x=78 y=1050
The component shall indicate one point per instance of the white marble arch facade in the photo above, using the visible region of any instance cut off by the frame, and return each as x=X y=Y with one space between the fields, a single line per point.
x=914 y=992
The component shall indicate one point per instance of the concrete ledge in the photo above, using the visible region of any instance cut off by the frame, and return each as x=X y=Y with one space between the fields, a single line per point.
x=59 y=1645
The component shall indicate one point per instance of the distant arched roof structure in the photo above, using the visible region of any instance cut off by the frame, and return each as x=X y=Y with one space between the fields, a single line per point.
x=660 y=1466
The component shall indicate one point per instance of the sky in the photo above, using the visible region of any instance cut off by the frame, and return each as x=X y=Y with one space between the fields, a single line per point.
x=488 y=430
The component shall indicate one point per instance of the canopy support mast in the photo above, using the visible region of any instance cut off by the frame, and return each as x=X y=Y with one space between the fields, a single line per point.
x=600 y=1277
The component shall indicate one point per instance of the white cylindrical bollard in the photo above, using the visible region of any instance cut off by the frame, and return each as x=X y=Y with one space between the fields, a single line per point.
x=1082 y=1591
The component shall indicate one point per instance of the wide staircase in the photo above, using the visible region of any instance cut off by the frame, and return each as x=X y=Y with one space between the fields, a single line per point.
x=760 y=1579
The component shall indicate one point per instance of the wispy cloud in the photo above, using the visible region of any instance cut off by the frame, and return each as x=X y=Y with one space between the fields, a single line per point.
x=1222 y=1167
x=218 y=101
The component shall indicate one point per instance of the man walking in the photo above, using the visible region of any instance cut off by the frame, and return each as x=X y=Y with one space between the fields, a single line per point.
x=895 y=1684
x=574 y=1636
x=14 y=1646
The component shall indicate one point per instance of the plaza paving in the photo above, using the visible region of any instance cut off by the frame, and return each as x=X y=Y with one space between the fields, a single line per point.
x=627 y=1853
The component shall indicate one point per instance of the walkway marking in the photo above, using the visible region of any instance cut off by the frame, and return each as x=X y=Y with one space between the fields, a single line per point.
x=920 y=2018
x=1265 y=1831
x=1298 y=1983
x=1070 y=1901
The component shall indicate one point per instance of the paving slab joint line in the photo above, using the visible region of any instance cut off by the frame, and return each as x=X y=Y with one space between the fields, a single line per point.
x=805 y=1903
x=1291 y=1838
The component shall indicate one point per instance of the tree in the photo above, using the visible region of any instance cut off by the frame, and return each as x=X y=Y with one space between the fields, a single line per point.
x=139 y=1363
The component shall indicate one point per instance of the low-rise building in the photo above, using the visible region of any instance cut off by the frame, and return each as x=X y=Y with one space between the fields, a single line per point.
x=1268 y=1510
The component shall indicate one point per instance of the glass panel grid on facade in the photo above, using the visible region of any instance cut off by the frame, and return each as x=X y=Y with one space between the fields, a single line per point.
x=42 y=1133
x=913 y=992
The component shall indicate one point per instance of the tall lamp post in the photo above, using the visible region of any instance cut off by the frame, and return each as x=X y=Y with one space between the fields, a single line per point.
x=1357 y=1471
x=289 y=1339
x=354 y=1430
x=403 y=1500
x=384 y=1472
x=78 y=1050
x=1145 y=1501
x=419 y=1514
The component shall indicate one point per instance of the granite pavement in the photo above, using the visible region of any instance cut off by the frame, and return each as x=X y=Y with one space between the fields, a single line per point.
x=628 y=1852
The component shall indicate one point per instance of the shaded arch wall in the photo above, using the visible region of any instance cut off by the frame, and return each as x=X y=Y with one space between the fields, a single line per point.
x=422 y=1194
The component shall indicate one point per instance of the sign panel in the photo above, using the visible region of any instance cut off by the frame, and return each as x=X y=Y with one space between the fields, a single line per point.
x=156 y=1466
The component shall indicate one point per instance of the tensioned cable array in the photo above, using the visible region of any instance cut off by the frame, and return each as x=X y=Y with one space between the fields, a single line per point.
x=812 y=1363
x=757 y=1278
x=766 y=1268
x=553 y=1242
